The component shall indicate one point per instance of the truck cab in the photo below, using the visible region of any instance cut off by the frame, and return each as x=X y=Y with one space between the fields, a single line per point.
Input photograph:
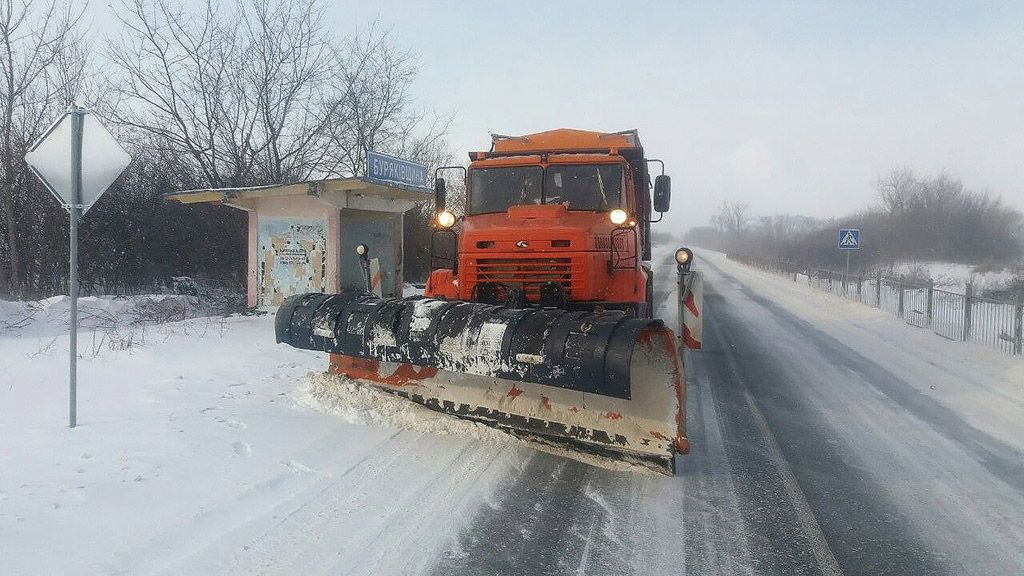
x=556 y=219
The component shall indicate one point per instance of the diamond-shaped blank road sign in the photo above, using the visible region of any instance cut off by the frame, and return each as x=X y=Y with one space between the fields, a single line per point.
x=103 y=159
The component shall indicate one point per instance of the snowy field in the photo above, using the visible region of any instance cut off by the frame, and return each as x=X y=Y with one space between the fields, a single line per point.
x=197 y=435
x=955 y=277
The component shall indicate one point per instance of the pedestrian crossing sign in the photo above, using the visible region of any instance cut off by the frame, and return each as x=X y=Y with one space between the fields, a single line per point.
x=849 y=239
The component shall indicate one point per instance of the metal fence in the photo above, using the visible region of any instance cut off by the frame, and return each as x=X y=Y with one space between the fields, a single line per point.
x=961 y=317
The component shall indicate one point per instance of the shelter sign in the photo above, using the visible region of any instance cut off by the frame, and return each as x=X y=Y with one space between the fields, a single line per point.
x=392 y=170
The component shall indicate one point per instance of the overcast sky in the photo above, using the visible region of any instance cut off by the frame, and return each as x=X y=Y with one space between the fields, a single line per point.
x=793 y=107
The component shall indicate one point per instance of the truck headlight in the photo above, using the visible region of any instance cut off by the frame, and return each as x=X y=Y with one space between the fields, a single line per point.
x=618 y=216
x=445 y=219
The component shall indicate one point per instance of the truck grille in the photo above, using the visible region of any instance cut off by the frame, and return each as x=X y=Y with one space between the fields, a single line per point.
x=528 y=273
x=605 y=242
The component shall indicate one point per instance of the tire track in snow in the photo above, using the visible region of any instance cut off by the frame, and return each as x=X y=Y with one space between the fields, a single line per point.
x=324 y=523
x=711 y=505
x=563 y=517
x=209 y=529
x=433 y=481
x=864 y=529
x=826 y=561
x=1002 y=460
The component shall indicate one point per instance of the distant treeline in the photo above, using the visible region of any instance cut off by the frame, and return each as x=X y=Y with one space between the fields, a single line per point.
x=915 y=218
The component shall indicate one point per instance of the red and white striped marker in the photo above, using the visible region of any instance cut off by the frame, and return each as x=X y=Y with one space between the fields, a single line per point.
x=693 y=303
x=375 y=277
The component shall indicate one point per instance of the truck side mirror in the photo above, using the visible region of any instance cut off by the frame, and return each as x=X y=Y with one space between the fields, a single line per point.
x=439 y=194
x=662 y=193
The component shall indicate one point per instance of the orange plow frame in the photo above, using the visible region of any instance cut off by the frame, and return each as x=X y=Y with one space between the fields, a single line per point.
x=646 y=429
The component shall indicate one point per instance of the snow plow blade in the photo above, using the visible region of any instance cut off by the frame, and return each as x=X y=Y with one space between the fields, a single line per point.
x=601 y=382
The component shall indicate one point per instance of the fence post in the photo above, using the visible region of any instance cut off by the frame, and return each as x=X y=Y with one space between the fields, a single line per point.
x=968 y=297
x=1018 y=328
x=930 y=300
x=860 y=284
x=901 y=299
x=878 y=291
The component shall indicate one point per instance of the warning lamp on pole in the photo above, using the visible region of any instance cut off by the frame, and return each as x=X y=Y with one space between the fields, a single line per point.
x=364 y=262
x=445 y=219
x=684 y=257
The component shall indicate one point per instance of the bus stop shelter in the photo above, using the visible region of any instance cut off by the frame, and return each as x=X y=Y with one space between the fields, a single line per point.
x=303 y=236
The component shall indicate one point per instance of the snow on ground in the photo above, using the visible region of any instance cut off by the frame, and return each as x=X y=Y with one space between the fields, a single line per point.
x=207 y=448
x=412 y=290
x=955 y=277
x=984 y=386
x=367 y=406
x=50 y=317
x=195 y=453
x=203 y=447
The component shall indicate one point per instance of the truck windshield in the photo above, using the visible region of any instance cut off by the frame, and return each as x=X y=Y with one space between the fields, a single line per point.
x=495 y=189
x=580 y=187
x=583 y=187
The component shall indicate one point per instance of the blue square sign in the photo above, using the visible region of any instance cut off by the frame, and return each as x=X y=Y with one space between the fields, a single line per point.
x=849 y=239
x=391 y=170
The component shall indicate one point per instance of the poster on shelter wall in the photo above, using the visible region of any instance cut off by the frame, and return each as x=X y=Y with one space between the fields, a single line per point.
x=292 y=258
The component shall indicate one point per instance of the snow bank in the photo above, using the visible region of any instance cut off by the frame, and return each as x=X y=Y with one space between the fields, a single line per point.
x=195 y=454
x=51 y=316
x=364 y=405
x=955 y=277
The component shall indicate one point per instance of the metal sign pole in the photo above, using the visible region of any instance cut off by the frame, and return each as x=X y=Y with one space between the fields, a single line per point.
x=847 y=275
x=75 y=211
x=92 y=171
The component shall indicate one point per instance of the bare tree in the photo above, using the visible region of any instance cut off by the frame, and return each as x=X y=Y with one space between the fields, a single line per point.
x=732 y=218
x=174 y=89
x=42 y=66
x=918 y=218
x=261 y=93
x=376 y=112
x=740 y=217
x=287 y=69
x=240 y=93
x=896 y=188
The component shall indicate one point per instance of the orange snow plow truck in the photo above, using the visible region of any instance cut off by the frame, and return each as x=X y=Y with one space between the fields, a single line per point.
x=539 y=322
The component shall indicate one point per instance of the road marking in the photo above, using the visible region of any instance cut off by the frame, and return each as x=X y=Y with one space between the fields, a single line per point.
x=819 y=545
x=727 y=508
x=581 y=570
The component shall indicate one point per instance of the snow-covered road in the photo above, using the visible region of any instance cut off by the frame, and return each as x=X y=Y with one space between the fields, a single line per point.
x=826 y=436
x=896 y=451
